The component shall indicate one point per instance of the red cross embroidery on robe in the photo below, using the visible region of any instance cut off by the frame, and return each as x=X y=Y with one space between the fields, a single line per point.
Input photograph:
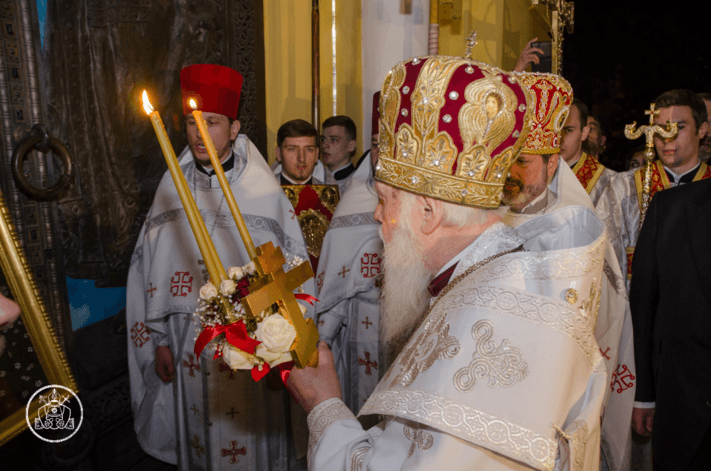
x=367 y=363
x=370 y=265
x=191 y=365
x=181 y=284
x=140 y=334
x=233 y=451
x=622 y=379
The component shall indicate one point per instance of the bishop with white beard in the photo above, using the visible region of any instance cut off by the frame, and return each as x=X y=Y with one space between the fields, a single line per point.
x=500 y=369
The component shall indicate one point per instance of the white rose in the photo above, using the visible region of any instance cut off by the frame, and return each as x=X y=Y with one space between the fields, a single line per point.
x=273 y=359
x=236 y=273
x=262 y=352
x=227 y=287
x=250 y=268
x=208 y=291
x=237 y=359
x=276 y=333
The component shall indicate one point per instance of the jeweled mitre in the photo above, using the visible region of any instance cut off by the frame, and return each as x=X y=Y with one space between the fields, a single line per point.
x=450 y=128
x=551 y=96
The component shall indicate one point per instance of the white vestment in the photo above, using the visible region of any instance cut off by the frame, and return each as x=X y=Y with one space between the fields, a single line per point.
x=618 y=207
x=603 y=182
x=613 y=329
x=348 y=311
x=209 y=417
x=503 y=372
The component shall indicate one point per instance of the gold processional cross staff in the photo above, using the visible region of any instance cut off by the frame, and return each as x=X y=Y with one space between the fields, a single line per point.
x=632 y=132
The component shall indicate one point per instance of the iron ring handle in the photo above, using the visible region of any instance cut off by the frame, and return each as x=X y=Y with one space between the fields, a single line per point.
x=18 y=157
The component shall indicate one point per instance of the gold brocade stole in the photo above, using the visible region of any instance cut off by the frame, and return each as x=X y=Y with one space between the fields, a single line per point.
x=660 y=181
x=314 y=206
x=588 y=171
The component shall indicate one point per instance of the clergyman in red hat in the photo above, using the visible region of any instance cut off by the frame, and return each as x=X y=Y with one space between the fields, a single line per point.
x=196 y=412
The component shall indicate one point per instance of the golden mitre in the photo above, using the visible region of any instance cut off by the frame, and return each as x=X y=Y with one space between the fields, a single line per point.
x=551 y=96
x=450 y=128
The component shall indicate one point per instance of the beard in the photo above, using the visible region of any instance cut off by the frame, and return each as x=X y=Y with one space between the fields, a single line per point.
x=405 y=298
x=518 y=194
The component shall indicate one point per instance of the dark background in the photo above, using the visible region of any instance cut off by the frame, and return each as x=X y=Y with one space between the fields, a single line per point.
x=624 y=53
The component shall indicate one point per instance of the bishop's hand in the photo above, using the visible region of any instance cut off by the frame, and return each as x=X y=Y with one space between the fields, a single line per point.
x=311 y=386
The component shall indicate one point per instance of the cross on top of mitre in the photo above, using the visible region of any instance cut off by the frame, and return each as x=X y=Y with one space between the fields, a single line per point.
x=471 y=42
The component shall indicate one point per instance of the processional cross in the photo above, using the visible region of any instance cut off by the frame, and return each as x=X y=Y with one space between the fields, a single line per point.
x=273 y=285
x=632 y=132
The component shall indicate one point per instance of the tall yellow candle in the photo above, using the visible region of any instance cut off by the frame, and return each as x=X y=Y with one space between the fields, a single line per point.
x=207 y=249
x=226 y=189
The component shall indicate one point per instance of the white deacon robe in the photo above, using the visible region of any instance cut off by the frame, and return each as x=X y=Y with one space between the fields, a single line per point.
x=618 y=208
x=613 y=329
x=349 y=267
x=209 y=417
x=503 y=372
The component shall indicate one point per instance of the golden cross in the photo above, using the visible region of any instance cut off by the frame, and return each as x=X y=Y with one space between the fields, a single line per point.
x=652 y=113
x=632 y=132
x=668 y=132
x=273 y=285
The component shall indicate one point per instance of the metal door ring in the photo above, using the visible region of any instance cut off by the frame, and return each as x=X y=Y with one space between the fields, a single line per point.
x=18 y=158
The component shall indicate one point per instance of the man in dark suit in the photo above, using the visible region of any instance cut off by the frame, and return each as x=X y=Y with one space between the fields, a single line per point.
x=671 y=313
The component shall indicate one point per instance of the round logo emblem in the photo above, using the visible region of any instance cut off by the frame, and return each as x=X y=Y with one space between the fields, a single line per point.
x=60 y=413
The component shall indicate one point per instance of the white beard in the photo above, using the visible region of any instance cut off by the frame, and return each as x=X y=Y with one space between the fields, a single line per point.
x=405 y=298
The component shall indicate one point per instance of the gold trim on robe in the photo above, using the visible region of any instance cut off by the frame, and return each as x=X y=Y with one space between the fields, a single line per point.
x=588 y=171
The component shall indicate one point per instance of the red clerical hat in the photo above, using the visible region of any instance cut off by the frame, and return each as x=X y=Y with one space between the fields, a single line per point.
x=376 y=113
x=215 y=89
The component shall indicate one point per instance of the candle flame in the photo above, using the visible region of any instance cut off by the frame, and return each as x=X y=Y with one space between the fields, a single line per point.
x=147 y=104
x=192 y=104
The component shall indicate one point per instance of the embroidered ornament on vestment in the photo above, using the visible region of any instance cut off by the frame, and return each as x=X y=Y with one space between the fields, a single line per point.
x=503 y=365
x=434 y=342
x=420 y=438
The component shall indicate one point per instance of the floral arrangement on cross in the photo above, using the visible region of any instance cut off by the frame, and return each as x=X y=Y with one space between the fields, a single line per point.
x=251 y=315
x=254 y=316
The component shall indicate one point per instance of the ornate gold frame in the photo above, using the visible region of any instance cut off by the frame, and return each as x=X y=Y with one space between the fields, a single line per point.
x=34 y=316
x=559 y=16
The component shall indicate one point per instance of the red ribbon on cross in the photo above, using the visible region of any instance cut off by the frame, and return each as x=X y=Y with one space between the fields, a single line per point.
x=305 y=297
x=235 y=333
